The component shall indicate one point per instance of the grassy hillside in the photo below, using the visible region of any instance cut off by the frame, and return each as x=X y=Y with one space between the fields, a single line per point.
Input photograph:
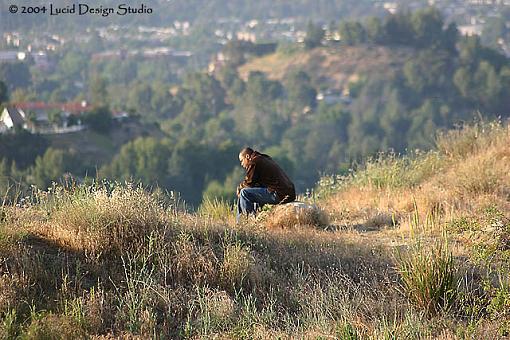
x=415 y=247
x=332 y=67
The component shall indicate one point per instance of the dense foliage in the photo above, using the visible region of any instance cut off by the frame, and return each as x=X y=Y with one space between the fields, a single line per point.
x=206 y=118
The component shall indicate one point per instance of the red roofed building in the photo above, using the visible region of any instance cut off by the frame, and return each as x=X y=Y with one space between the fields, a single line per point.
x=73 y=107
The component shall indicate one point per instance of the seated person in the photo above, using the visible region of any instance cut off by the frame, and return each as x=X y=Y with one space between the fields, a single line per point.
x=265 y=183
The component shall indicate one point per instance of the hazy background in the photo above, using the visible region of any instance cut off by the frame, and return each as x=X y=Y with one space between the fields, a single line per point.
x=169 y=98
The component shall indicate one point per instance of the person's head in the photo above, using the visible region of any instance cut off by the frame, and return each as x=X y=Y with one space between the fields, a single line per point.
x=245 y=156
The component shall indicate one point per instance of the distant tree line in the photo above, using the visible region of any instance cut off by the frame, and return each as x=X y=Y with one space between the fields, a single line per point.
x=206 y=118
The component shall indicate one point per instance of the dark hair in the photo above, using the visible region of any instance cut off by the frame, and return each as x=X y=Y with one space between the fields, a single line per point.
x=246 y=151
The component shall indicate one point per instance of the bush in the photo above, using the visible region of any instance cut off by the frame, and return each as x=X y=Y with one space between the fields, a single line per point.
x=100 y=220
x=470 y=139
x=295 y=214
x=429 y=277
x=99 y=119
x=216 y=209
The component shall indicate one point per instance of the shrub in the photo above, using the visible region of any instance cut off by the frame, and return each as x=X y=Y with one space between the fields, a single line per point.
x=216 y=209
x=52 y=326
x=429 y=277
x=470 y=139
x=100 y=220
x=294 y=214
x=236 y=266
x=193 y=263
x=99 y=119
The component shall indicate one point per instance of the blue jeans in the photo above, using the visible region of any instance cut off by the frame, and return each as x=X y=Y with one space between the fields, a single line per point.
x=252 y=198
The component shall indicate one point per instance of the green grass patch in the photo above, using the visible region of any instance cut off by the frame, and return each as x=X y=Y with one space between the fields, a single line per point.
x=429 y=277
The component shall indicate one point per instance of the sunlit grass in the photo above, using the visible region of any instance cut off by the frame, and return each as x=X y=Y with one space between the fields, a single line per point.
x=429 y=277
x=118 y=260
x=217 y=209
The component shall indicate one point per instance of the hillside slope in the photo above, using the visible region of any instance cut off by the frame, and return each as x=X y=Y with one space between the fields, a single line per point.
x=332 y=67
x=416 y=247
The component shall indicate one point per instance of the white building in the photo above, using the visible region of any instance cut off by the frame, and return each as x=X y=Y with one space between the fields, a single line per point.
x=12 y=117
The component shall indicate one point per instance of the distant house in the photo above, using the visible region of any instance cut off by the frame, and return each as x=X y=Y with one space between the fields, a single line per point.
x=331 y=97
x=470 y=30
x=12 y=117
x=35 y=117
x=12 y=56
x=120 y=116
x=391 y=7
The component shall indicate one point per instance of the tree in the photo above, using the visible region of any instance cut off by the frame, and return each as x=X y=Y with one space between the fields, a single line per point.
x=140 y=98
x=504 y=102
x=4 y=95
x=186 y=169
x=73 y=66
x=494 y=30
x=463 y=81
x=99 y=119
x=4 y=177
x=424 y=123
x=450 y=38
x=489 y=86
x=231 y=82
x=314 y=36
x=352 y=33
x=375 y=31
x=398 y=29
x=395 y=122
x=163 y=102
x=262 y=90
x=429 y=73
x=206 y=92
x=98 y=91
x=300 y=91
x=55 y=117
x=15 y=75
x=427 y=25
x=49 y=168
x=234 y=52
x=22 y=147
x=143 y=159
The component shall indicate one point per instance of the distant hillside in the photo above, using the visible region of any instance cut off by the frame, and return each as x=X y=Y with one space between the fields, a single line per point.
x=332 y=67
x=96 y=149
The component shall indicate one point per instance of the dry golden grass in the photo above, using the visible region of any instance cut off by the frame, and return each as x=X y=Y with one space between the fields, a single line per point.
x=115 y=262
x=193 y=262
x=294 y=215
x=53 y=327
x=98 y=221
x=474 y=172
x=238 y=266
x=337 y=66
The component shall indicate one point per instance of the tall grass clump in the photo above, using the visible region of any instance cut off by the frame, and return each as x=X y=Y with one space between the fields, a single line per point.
x=291 y=215
x=210 y=311
x=471 y=139
x=100 y=219
x=393 y=171
x=397 y=171
x=386 y=171
x=216 y=209
x=238 y=266
x=429 y=277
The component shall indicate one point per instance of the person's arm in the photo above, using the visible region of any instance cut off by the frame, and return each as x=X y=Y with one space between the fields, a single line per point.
x=250 y=180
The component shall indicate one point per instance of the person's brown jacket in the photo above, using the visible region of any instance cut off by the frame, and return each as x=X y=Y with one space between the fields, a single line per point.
x=262 y=171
